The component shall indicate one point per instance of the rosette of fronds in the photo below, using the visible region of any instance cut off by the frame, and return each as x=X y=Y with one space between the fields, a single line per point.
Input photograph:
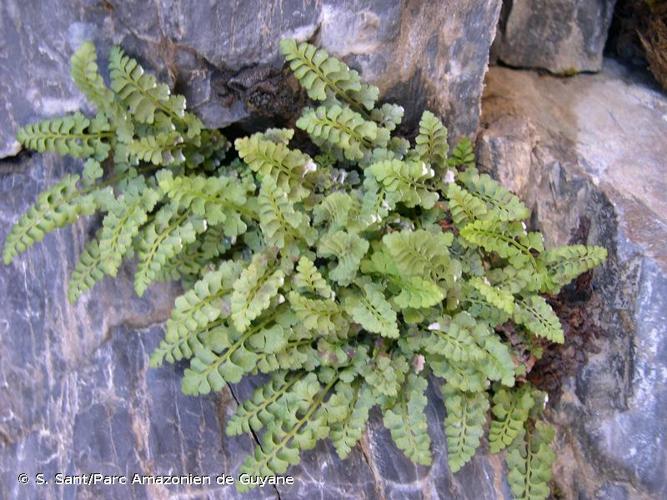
x=350 y=291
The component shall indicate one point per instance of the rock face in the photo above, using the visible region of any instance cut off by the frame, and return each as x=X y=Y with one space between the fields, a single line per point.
x=561 y=36
x=76 y=394
x=224 y=57
x=592 y=148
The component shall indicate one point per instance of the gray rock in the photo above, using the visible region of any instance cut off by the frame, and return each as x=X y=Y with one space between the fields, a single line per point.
x=224 y=56
x=592 y=147
x=561 y=36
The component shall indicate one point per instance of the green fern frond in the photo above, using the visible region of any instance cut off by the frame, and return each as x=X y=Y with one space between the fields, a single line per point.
x=510 y=279
x=462 y=155
x=338 y=405
x=73 y=135
x=372 y=311
x=309 y=279
x=139 y=92
x=407 y=421
x=162 y=149
x=278 y=135
x=278 y=219
x=464 y=207
x=347 y=431
x=344 y=129
x=381 y=263
x=338 y=209
x=122 y=224
x=210 y=371
x=85 y=74
x=386 y=374
x=197 y=257
x=502 y=205
x=417 y=293
x=510 y=409
x=287 y=167
x=87 y=272
x=529 y=463
x=266 y=402
x=58 y=206
x=171 y=350
x=419 y=253
x=320 y=316
x=206 y=151
x=92 y=172
x=453 y=340
x=219 y=200
x=431 y=142
x=348 y=249
x=464 y=424
x=563 y=264
x=298 y=354
x=482 y=310
x=212 y=366
x=161 y=241
x=296 y=430
x=497 y=297
x=498 y=364
x=538 y=317
x=253 y=291
x=405 y=182
x=192 y=125
x=389 y=116
x=375 y=205
x=204 y=303
x=464 y=377
x=323 y=76
x=270 y=339
x=508 y=240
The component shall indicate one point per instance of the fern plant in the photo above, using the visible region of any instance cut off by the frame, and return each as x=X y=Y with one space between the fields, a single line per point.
x=350 y=277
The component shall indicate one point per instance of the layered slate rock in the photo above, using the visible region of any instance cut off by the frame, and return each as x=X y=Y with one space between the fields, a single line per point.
x=224 y=55
x=561 y=36
x=592 y=150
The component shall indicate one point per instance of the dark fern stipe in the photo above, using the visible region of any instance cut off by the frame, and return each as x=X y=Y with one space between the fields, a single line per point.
x=349 y=277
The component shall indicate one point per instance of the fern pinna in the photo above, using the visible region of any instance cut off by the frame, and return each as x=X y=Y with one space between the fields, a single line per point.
x=349 y=278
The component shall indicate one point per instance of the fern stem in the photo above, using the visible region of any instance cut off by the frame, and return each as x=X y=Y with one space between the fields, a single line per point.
x=283 y=222
x=234 y=347
x=336 y=125
x=82 y=135
x=289 y=345
x=158 y=104
x=239 y=208
x=337 y=90
x=165 y=234
x=512 y=242
x=315 y=405
x=115 y=179
x=529 y=468
x=277 y=394
x=169 y=348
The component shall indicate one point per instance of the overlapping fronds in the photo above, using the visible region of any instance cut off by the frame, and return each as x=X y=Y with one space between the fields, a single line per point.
x=348 y=276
